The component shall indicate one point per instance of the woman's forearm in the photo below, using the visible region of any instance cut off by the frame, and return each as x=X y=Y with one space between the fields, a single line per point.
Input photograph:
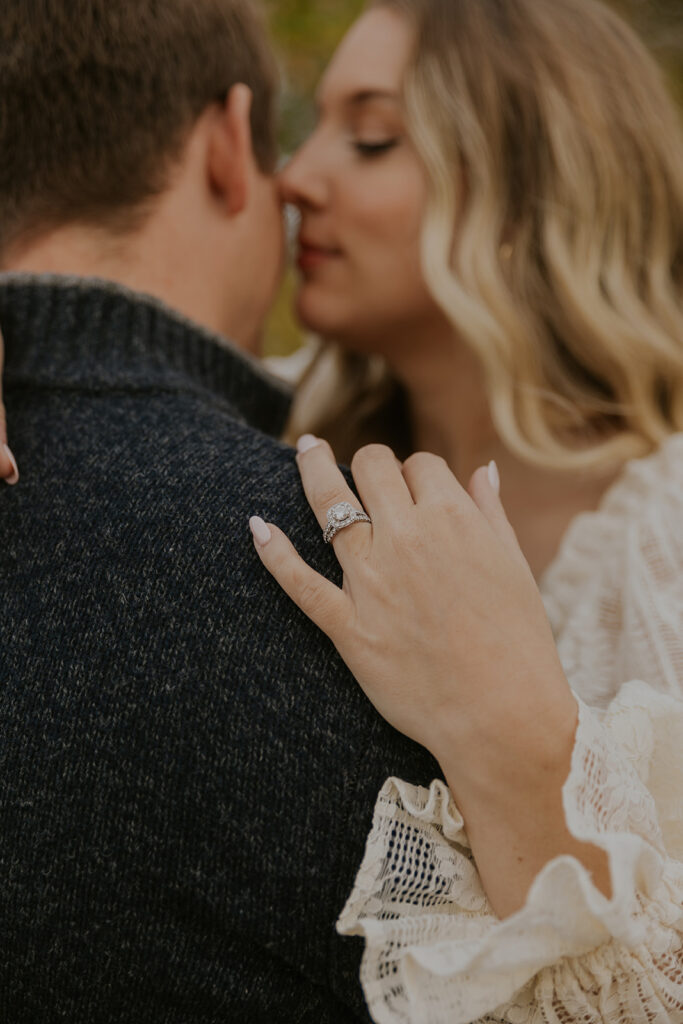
x=508 y=787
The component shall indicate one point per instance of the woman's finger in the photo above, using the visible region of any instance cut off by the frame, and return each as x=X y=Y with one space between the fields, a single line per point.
x=8 y=466
x=326 y=487
x=324 y=603
x=430 y=479
x=484 y=489
x=378 y=477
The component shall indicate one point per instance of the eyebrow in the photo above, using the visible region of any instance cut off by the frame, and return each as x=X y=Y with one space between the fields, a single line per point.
x=363 y=96
x=368 y=95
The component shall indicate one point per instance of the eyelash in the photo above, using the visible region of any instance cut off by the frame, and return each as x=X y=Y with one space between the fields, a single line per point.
x=368 y=150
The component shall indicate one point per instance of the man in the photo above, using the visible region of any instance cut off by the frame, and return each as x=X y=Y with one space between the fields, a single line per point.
x=187 y=770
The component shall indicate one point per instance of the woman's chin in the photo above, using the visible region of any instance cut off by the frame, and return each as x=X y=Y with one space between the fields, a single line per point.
x=341 y=322
x=318 y=315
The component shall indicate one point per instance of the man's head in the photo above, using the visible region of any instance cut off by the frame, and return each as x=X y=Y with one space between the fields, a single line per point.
x=106 y=107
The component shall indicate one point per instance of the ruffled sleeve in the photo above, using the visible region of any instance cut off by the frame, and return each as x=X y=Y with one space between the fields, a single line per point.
x=435 y=953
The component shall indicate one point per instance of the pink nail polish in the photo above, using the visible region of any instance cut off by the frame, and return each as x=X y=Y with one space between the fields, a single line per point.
x=260 y=531
x=494 y=476
x=306 y=442
x=13 y=478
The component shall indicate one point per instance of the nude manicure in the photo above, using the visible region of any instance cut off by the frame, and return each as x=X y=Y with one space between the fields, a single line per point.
x=13 y=478
x=306 y=442
x=260 y=531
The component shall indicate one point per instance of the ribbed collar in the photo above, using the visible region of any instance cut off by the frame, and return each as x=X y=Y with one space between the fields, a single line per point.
x=86 y=332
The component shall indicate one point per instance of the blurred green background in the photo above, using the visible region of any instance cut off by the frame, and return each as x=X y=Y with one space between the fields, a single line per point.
x=306 y=32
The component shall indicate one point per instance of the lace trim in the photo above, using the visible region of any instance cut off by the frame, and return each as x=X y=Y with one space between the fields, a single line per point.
x=435 y=952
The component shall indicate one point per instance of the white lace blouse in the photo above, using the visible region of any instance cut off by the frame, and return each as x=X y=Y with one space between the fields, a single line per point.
x=435 y=953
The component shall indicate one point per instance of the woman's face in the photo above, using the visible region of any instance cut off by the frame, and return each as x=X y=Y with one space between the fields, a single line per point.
x=361 y=191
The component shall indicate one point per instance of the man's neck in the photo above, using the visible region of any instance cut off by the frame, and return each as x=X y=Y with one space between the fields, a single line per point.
x=147 y=261
x=98 y=335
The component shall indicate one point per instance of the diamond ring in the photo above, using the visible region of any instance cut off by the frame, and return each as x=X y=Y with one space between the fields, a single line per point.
x=340 y=516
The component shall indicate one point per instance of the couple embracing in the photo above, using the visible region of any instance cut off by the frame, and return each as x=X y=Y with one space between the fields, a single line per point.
x=203 y=815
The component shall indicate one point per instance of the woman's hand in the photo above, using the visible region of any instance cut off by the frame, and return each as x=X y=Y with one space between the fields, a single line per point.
x=439 y=619
x=8 y=466
x=442 y=624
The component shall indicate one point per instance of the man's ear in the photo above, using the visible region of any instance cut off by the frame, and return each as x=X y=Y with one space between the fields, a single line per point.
x=231 y=155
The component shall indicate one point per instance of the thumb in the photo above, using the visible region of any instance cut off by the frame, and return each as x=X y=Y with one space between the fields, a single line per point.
x=484 y=489
x=8 y=466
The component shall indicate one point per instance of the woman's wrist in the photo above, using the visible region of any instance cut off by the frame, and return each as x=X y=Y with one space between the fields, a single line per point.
x=508 y=786
x=497 y=746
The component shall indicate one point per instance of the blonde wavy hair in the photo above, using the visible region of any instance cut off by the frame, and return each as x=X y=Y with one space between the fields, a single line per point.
x=552 y=238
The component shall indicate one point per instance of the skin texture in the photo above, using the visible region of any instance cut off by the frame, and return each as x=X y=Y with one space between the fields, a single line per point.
x=438 y=590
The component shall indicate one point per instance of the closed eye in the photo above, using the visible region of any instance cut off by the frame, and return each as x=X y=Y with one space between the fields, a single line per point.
x=370 y=149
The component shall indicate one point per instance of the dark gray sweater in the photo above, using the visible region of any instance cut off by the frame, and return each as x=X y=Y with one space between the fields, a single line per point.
x=187 y=770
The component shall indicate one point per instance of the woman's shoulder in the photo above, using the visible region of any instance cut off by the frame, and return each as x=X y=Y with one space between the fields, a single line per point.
x=646 y=501
x=614 y=594
x=649 y=485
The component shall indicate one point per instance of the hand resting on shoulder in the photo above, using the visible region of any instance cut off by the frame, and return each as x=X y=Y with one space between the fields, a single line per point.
x=442 y=624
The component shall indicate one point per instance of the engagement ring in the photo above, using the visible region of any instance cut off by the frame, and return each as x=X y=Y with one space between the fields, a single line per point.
x=340 y=516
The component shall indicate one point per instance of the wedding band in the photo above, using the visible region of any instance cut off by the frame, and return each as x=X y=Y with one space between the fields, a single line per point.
x=340 y=516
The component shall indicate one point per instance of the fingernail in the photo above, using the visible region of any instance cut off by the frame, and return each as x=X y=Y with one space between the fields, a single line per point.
x=13 y=478
x=260 y=531
x=306 y=442
x=494 y=476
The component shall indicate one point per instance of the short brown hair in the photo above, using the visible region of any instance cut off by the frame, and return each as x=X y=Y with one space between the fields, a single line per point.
x=97 y=98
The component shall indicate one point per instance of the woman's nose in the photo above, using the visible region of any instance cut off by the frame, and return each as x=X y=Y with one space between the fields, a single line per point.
x=302 y=181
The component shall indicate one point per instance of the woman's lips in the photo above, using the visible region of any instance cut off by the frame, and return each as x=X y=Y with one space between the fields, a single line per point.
x=312 y=256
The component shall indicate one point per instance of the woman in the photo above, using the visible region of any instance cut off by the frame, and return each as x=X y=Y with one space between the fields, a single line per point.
x=492 y=203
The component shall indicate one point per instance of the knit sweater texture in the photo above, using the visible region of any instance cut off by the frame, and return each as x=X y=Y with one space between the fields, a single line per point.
x=187 y=770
